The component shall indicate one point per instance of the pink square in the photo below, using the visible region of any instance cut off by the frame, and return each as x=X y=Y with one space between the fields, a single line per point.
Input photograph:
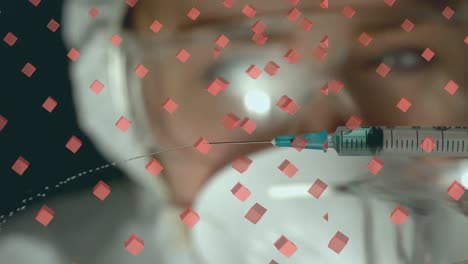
x=189 y=217
x=324 y=89
x=229 y=3
x=10 y=39
x=216 y=53
x=202 y=145
x=96 y=87
x=390 y=2
x=169 y=105
x=49 y=104
x=271 y=68
x=259 y=39
x=325 y=217
x=451 y=87
x=456 y=190
x=317 y=188
x=353 y=122
x=466 y=40
x=217 y=86
x=3 y=122
x=285 y=246
x=134 y=245
x=428 y=54
x=73 y=144
x=141 y=71
x=20 y=166
x=123 y=124
x=28 y=69
x=305 y=24
x=448 y=12
x=319 y=53
x=116 y=40
x=93 y=12
x=45 y=215
x=428 y=144
x=183 y=55
x=365 y=39
x=383 y=70
x=375 y=165
x=299 y=143
x=253 y=71
x=348 y=12
x=222 y=41
x=258 y=27
x=35 y=2
x=407 y=25
x=338 y=242
x=131 y=3
x=241 y=164
x=101 y=190
x=73 y=54
x=324 y=42
x=255 y=213
x=154 y=167
x=156 y=26
x=241 y=192
x=294 y=14
x=248 y=125
x=288 y=168
x=292 y=56
x=399 y=215
x=230 y=121
x=404 y=104
x=53 y=25
x=193 y=14
x=324 y=4
x=249 y=11
x=287 y=105
x=335 y=86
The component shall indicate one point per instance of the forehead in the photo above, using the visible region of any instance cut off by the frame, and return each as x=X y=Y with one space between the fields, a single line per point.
x=173 y=13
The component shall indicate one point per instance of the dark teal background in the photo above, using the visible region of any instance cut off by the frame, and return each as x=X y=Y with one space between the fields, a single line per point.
x=32 y=132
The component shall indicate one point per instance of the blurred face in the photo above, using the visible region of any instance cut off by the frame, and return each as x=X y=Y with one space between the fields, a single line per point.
x=365 y=93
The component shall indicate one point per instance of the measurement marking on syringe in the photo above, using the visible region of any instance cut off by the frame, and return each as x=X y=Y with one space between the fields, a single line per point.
x=417 y=139
x=443 y=141
x=391 y=138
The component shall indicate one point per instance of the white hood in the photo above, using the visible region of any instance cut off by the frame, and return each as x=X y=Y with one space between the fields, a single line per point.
x=98 y=113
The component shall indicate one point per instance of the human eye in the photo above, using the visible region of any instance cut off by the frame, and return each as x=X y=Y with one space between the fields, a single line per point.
x=404 y=60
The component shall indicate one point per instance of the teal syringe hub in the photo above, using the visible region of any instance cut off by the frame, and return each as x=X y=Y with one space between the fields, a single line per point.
x=314 y=140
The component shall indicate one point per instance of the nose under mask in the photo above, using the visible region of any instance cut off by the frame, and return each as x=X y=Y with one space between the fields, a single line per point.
x=354 y=203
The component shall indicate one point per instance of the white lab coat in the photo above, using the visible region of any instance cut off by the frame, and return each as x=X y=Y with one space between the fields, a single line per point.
x=87 y=230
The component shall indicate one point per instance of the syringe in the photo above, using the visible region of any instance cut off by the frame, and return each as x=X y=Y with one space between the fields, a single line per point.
x=385 y=140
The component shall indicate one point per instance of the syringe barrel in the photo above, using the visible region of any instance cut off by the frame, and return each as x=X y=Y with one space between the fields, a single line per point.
x=404 y=141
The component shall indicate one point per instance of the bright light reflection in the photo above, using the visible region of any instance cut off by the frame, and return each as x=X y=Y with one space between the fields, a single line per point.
x=257 y=101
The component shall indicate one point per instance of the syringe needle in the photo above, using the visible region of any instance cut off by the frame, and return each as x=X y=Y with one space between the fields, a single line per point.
x=240 y=142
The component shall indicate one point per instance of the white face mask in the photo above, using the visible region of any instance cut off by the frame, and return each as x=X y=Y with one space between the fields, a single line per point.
x=223 y=235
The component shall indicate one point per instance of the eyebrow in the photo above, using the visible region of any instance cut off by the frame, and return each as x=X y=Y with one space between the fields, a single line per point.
x=230 y=21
